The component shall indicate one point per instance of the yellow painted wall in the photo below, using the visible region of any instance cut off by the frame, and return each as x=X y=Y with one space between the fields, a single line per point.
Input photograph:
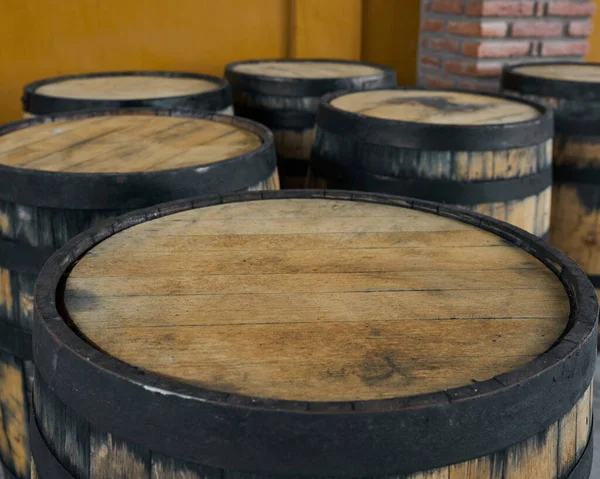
x=391 y=35
x=594 y=39
x=44 y=38
x=322 y=28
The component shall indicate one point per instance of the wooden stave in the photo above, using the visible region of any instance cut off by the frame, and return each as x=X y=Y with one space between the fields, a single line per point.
x=288 y=107
x=216 y=101
x=391 y=161
x=61 y=461
x=16 y=351
x=576 y=107
x=41 y=230
x=282 y=408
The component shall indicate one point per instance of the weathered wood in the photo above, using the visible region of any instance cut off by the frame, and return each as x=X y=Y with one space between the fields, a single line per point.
x=237 y=345
x=573 y=91
x=428 y=107
x=119 y=144
x=575 y=72
x=440 y=146
x=14 y=411
x=284 y=96
x=311 y=70
x=300 y=325
x=124 y=145
x=126 y=89
x=133 y=87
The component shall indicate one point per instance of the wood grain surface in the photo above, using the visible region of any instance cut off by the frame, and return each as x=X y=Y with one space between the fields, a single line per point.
x=130 y=87
x=307 y=69
x=14 y=441
x=316 y=300
x=575 y=223
x=124 y=143
x=582 y=73
x=436 y=107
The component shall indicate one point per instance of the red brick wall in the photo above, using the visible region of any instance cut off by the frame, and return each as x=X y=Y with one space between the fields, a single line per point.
x=464 y=43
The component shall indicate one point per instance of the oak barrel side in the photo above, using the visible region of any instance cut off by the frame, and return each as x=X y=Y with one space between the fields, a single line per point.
x=41 y=209
x=128 y=89
x=488 y=153
x=284 y=95
x=225 y=431
x=573 y=91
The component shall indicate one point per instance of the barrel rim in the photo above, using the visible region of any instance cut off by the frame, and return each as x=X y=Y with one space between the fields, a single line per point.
x=432 y=136
x=339 y=438
x=548 y=87
x=39 y=104
x=106 y=190
x=306 y=87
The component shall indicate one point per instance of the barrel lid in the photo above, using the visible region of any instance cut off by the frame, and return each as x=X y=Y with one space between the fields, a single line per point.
x=339 y=322
x=565 y=80
x=124 y=148
x=307 y=77
x=126 y=89
x=248 y=298
x=435 y=119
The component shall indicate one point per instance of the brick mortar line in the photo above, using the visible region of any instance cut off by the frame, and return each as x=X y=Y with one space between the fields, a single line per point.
x=488 y=61
x=461 y=17
x=441 y=74
x=498 y=40
x=468 y=79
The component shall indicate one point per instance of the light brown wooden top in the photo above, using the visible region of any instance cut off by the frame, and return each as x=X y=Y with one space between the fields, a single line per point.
x=439 y=107
x=316 y=300
x=136 y=87
x=583 y=73
x=307 y=69
x=125 y=143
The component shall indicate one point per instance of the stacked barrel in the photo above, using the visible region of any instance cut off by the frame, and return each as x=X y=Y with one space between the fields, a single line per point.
x=98 y=146
x=166 y=312
x=284 y=95
x=573 y=91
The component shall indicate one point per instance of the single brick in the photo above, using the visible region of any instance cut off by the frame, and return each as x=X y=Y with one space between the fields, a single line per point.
x=444 y=44
x=501 y=8
x=430 y=25
x=537 y=29
x=432 y=62
x=427 y=5
x=478 y=29
x=447 y=6
x=438 y=82
x=565 y=48
x=424 y=42
x=474 y=69
x=540 y=9
x=571 y=9
x=495 y=49
x=580 y=28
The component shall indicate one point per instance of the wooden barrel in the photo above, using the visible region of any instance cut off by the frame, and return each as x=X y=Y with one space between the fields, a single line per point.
x=312 y=334
x=60 y=175
x=284 y=95
x=151 y=89
x=487 y=153
x=573 y=90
